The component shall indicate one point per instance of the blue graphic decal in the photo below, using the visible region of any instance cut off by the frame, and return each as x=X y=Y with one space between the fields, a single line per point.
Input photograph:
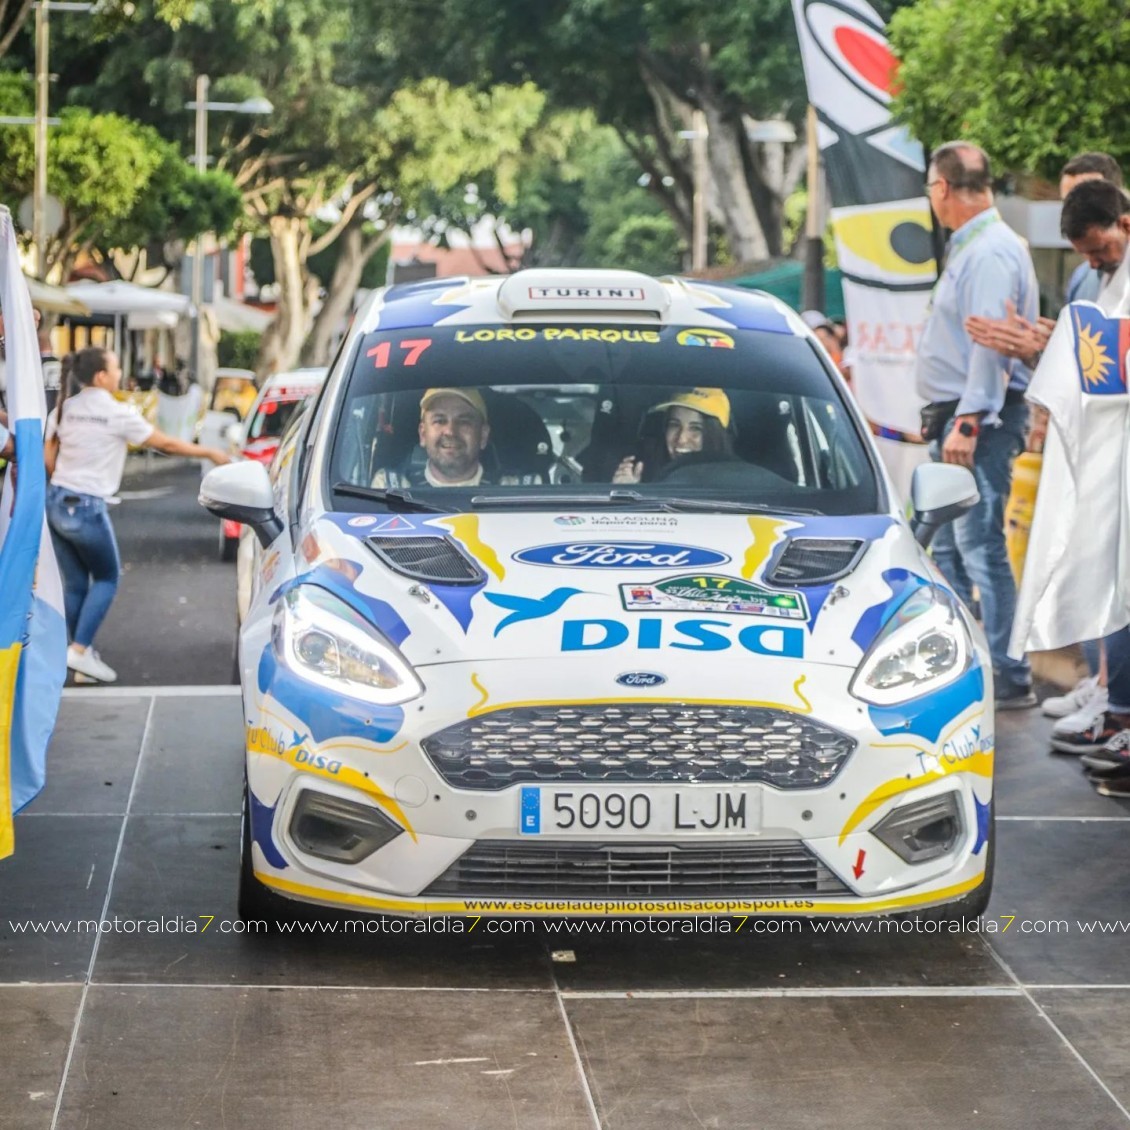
x=417 y=306
x=598 y=554
x=378 y=612
x=902 y=583
x=364 y=525
x=262 y=821
x=927 y=716
x=746 y=311
x=326 y=713
x=524 y=608
x=457 y=600
x=531 y=810
x=984 y=824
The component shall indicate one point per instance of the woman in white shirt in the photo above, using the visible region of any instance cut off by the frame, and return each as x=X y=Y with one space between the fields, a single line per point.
x=87 y=438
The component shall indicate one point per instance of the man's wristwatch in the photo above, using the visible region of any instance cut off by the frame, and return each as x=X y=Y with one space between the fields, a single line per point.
x=968 y=427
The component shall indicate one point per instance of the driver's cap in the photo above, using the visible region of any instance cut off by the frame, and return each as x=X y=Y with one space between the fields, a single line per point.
x=471 y=396
x=709 y=401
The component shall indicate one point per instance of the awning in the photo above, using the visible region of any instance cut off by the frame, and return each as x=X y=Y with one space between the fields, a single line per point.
x=786 y=282
x=54 y=299
x=142 y=307
x=237 y=317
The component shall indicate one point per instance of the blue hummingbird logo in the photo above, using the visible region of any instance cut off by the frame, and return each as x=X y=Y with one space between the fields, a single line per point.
x=527 y=607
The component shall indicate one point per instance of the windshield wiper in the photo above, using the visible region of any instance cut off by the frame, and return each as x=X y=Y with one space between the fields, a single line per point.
x=612 y=498
x=706 y=504
x=395 y=498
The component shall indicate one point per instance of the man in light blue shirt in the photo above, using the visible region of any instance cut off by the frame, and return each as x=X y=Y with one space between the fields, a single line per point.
x=987 y=267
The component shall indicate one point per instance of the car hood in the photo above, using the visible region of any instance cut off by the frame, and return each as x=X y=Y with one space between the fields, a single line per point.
x=535 y=585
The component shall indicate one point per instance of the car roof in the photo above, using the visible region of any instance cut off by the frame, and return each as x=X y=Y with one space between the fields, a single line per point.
x=304 y=379
x=572 y=295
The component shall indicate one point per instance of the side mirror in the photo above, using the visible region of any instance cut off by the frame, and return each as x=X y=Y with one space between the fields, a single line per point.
x=939 y=493
x=242 y=492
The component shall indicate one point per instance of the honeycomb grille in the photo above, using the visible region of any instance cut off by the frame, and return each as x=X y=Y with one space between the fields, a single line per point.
x=638 y=742
x=427 y=559
x=505 y=868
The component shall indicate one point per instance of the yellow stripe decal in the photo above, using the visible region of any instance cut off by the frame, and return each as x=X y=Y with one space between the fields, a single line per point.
x=766 y=533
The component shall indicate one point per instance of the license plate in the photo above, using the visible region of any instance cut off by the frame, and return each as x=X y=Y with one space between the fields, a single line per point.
x=551 y=811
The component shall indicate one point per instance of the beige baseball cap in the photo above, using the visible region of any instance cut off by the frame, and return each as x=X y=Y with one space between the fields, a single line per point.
x=471 y=396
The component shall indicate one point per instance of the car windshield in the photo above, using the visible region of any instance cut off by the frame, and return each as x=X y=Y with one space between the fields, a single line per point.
x=468 y=417
x=271 y=419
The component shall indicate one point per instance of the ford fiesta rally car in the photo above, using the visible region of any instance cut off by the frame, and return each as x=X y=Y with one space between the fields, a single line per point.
x=585 y=593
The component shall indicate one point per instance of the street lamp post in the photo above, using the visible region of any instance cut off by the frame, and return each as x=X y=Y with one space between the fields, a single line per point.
x=43 y=9
x=200 y=160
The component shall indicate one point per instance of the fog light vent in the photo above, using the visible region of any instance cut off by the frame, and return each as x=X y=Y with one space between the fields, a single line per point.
x=344 y=831
x=924 y=829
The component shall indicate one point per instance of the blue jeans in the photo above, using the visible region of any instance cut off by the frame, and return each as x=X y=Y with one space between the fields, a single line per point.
x=87 y=552
x=1117 y=646
x=971 y=551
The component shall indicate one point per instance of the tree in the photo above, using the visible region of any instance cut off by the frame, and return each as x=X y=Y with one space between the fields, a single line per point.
x=121 y=185
x=1032 y=81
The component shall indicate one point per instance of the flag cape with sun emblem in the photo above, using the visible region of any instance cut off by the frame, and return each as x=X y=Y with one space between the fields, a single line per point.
x=880 y=217
x=1075 y=585
x=33 y=635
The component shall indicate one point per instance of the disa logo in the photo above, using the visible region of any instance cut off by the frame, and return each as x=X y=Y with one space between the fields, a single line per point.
x=652 y=633
x=621 y=555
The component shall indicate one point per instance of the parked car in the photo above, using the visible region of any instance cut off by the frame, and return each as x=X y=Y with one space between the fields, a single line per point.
x=257 y=437
x=586 y=593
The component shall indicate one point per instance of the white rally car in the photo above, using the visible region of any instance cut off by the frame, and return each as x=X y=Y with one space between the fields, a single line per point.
x=583 y=592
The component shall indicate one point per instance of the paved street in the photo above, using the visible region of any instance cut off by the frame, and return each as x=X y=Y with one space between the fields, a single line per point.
x=146 y=1025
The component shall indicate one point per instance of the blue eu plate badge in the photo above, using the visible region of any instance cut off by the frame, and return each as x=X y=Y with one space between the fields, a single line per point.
x=531 y=810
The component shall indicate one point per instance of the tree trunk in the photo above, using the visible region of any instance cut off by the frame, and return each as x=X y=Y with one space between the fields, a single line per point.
x=283 y=339
x=353 y=253
x=731 y=194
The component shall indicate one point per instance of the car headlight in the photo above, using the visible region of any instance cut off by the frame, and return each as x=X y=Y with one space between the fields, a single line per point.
x=924 y=646
x=323 y=640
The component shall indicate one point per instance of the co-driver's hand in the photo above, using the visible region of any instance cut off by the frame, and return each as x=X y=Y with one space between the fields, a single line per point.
x=630 y=470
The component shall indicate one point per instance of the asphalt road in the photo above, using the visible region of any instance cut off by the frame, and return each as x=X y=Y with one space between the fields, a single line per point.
x=173 y=619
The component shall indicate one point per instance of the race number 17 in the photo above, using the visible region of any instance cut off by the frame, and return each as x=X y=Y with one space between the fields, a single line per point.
x=413 y=348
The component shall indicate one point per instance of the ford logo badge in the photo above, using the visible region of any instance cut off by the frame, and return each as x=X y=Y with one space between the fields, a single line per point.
x=641 y=679
x=598 y=554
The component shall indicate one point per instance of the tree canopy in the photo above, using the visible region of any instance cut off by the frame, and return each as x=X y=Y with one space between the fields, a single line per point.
x=1032 y=81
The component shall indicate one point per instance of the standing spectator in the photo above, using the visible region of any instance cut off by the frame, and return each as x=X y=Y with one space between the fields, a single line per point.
x=1096 y=220
x=1083 y=706
x=975 y=395
x=87 y=437
x=52 y=367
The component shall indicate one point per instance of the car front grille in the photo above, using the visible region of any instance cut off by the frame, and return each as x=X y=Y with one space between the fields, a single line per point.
x=502 y=868
x=638 y=742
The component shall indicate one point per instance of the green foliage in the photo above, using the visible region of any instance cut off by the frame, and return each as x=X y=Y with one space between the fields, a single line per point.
x=1032 y=81
x=644 y=243
x=238 y=349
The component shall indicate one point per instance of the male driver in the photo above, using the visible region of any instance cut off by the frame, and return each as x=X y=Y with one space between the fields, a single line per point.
x=454 y=432
x=987 y=265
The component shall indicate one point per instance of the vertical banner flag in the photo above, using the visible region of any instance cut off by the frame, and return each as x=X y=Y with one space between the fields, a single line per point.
x=880 y=218
x=33 y=633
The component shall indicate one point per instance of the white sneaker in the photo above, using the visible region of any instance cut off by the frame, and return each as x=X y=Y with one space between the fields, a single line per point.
x=1077 y=699
x=90 y=663
x=1086 y=716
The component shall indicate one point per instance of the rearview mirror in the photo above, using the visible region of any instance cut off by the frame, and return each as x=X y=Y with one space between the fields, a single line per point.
x=242 y=492
x=939 y=493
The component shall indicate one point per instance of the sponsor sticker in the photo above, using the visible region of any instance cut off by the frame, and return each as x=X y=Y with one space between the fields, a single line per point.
x=705 y=592
x=620 y=555
x=623 y=521
x=362 y=520
x=711 y=339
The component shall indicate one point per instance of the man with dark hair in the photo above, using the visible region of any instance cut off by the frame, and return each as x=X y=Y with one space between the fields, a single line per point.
x=980 y=391
x=1096 y=221
x=1089 y=166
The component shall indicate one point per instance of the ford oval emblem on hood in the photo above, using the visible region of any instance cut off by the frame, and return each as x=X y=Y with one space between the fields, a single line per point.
x=597 y=554
x=641 y=679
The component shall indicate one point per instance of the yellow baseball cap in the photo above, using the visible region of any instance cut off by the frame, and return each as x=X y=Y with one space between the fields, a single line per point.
x=709 y=401
x=470 y=395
